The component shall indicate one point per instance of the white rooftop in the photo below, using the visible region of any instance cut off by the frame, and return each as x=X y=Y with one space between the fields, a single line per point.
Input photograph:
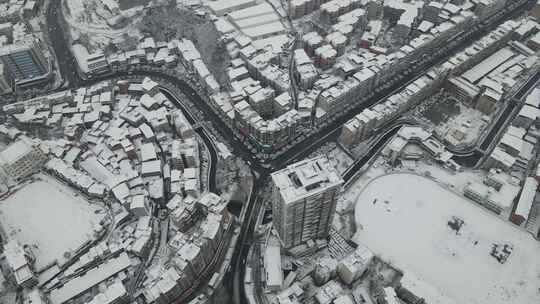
x=306 y=178
x=92 y=277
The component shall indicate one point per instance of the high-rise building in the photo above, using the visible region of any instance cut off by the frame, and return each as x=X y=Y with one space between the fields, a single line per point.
x=304 y=200
x=5 y=80
x=24 y=61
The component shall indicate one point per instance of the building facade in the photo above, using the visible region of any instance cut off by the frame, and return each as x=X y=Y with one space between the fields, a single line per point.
x=21 y=159
x=304 y=200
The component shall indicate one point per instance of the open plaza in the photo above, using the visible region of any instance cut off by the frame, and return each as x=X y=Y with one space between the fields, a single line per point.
x=49 y=217
x=439 y=237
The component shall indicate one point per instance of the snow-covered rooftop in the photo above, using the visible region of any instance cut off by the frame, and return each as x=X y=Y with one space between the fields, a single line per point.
x=306 y=178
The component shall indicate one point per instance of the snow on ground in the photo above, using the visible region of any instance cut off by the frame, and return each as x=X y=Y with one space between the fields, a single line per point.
x=457 y=181
x=404 y=218
x=456 y=122
x=91 y=22
x=50 y=217
x=468 y=123
x=339 y=159
x=336 y=155
x=454 y=181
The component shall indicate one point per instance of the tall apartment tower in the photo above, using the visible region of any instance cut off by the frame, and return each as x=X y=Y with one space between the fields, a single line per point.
x=304 y=200
x=23 y=60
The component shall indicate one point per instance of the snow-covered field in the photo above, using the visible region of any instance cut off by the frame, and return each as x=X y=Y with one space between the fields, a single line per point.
x=50 y=217
x=404 y=218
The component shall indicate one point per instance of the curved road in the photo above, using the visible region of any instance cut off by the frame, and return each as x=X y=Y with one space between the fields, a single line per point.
x=205 y=137
x=69 y=67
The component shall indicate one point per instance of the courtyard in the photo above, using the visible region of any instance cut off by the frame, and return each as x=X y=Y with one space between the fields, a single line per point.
x=447 y=243
x=51 y=218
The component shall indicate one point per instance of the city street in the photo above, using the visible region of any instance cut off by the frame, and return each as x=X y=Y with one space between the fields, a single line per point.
x=300 y=149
